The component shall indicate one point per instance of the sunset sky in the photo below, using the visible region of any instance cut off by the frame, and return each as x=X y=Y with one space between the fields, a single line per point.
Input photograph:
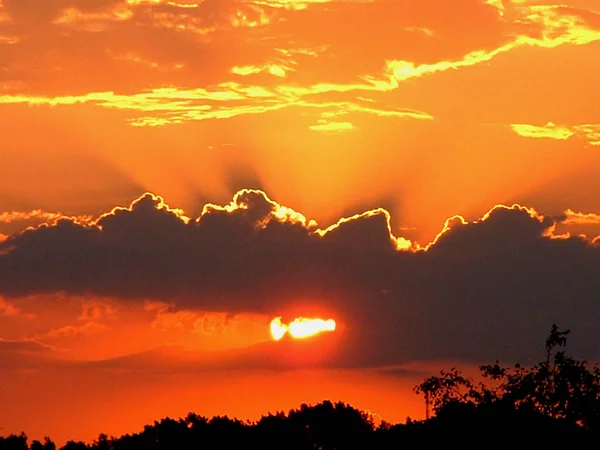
x=176 y=174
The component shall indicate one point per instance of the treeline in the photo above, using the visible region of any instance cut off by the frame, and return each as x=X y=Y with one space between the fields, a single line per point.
x=558 y=396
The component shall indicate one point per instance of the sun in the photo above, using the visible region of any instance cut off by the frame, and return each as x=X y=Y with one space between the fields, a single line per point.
x=300 y=328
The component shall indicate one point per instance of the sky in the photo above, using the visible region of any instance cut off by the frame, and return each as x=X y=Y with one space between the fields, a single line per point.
x=176 y=174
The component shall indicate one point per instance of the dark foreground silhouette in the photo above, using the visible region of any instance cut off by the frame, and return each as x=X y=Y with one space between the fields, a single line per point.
x=558 y=397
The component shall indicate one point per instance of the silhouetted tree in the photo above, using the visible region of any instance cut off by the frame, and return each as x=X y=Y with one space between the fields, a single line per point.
x=102 y=443
x=14 y=442
x=75 y=445
x=559 y=388
x=48 y=444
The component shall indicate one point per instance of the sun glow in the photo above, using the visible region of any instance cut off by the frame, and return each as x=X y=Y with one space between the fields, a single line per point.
x=300 y=327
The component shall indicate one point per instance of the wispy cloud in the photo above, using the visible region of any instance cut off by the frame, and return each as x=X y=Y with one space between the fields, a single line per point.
x=173 y=105
x=86 y=329
x=38 y=215
x=273 y=69
x=590 y=133
x=4 y=15
x=277 y=76
x=8 y=309
x=552 y=26
x=578 y=218
x=291 y=4
x=330 y=127
x=549 y=131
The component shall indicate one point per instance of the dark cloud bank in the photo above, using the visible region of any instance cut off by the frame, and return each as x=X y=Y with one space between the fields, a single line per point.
x=483 y=290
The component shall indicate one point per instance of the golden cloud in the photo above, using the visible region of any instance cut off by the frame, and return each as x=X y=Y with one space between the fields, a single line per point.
x=334 y=127
x=589 y=133
x=578 y=218
x=555 y=26
x=39 y=215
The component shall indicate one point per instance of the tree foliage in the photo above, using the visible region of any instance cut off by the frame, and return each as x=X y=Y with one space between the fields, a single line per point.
x=559 y=388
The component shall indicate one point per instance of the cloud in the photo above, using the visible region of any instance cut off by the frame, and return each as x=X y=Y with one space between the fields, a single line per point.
x=93 y=310
x=273 y=69
x=24 y=354
x=491 y=286
x=4 y=15
x=11 y=310
x=74 y=15
x=498 y=4
x=293 y=4
x=590 y=133
x=217 y=324
x=171 y=105
x=37 y=215
x=546 y=27
x=578 y=218
x=550 y=131
x=8 y=309
x=7 y=38
x=86 y=329
x=26 y=346
x=160 y=52
x=330 y=127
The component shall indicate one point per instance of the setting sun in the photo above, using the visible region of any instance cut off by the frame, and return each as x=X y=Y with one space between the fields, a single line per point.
x=300 y=327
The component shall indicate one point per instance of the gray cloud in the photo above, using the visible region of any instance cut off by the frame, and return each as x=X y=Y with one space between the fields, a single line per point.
x=485 y=289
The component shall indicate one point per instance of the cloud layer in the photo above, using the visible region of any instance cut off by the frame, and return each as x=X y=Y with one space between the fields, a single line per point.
x=482 y=288
x=167 y=62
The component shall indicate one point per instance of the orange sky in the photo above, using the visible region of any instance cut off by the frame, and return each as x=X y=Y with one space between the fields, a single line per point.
x=428 y=109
